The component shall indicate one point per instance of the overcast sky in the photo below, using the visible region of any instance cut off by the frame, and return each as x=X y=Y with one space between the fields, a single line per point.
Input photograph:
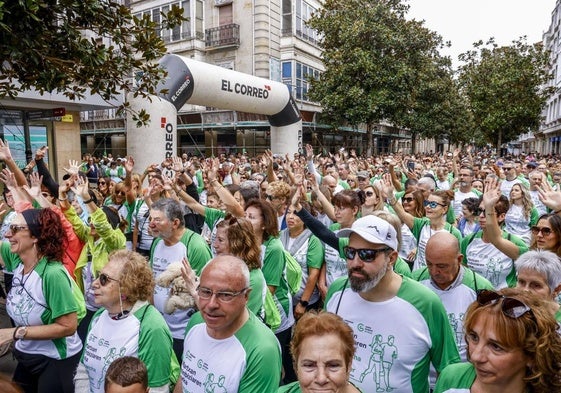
x=466 y=21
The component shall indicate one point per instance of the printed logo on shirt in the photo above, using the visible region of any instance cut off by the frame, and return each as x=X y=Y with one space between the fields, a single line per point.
x=456 y=322
x=383 y=354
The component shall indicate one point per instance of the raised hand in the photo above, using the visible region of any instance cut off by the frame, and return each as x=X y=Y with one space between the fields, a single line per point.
x=73 y=167
x=8 y=178
x=5 y=153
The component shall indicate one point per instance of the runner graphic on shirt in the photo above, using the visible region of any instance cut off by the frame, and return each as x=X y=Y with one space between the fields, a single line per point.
x=211 y=387
x=382 y=356
x=494 y=268
x=109 y=358
x=457 y=327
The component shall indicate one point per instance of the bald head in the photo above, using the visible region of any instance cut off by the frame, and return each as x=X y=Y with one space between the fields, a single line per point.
x=230 y=265
x=443 y=258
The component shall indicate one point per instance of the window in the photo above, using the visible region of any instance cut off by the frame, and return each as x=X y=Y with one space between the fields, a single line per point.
x=299 y=85
x=304 y=12
x=183 y=31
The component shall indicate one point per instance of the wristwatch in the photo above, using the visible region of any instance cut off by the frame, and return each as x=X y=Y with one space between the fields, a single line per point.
x=304 y=303
x=20 y=333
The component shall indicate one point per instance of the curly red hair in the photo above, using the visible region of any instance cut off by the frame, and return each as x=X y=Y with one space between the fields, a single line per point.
x=52 y=241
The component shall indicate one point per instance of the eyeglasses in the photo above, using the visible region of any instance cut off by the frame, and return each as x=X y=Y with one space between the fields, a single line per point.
x=18 y=228
x=104 y=279
x=433 y=204
x=511 y=307
x=365 y=254
x=369 y=193
x=507 y=168
x=223 y=296
x=408 y=199
x=544 y=230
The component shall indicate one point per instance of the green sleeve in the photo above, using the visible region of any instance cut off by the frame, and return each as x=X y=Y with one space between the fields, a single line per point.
x=534 y=216
x=200 y=182
x=114 y=239
x=337 y=286
x=343 y=242
x=257 y=285
x=10 y=259
x=155 y=346
x=198 y=251
x=58 y=291
x=273 y=263
x=420 y=274
x=455 y=231
x=401 y=267
x=212 y=216
x=450 y=216
x=80 y=228
x=418 y=224
x=314 y=257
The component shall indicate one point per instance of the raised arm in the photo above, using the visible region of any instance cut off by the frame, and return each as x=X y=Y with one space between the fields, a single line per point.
x=6 y=156
x=388 y=190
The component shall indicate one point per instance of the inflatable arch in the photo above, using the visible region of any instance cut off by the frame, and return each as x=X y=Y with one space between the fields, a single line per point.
x=198 y=83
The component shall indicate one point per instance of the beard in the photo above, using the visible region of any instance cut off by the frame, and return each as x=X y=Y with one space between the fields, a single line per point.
x=367 y=283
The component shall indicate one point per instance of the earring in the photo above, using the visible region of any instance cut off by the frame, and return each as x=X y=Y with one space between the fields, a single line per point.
x=123 y=297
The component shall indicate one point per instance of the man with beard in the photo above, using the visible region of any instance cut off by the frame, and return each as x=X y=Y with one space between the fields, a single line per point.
x=375 y=301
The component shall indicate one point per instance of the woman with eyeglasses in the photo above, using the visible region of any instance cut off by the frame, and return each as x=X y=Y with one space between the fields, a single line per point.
x=546 y=234
x=513 y=346
x=101 y=235
x=126 y=325
x=522 y=214
x=436 y=208
x=44 y=303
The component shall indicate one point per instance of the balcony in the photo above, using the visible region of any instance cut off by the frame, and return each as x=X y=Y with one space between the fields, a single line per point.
x=225 y=36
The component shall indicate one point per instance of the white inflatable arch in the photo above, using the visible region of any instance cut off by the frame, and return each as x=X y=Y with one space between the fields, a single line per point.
x=193 y=82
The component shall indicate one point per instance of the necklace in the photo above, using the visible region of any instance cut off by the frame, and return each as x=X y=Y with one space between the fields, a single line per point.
x=24 y=279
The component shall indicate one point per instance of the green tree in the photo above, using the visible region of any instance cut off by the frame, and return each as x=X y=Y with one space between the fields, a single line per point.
x=374 y=61
x=504 y=87
x=78 y=46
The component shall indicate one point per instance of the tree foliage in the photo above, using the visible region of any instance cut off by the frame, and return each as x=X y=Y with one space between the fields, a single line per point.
x=78 y=46
x=504 y=87
x=380 y=66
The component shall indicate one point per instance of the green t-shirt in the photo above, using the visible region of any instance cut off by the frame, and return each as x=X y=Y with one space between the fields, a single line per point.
x=456 y=378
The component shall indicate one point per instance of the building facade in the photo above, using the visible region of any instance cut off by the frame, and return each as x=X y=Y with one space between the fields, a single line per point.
x=265 y=38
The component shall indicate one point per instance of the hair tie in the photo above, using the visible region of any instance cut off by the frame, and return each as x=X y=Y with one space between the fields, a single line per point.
x=31 y=217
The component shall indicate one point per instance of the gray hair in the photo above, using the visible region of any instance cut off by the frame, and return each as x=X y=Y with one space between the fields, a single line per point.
x=544 y=262
x=171 y=208
x=429 y=181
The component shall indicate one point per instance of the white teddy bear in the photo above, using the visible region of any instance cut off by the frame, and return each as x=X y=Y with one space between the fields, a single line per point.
x=180 y=296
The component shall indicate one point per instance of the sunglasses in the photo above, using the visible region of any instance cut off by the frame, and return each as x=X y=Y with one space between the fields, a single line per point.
x=18 y=228
x=222 y=296
x=122 y=193
x=369 y=193
x=511 y=307
x=408 y=199
x=365 y=254
x=104 y=279
x=433 y=204
x=544 y=230
x=269 y=197
x=101 y=182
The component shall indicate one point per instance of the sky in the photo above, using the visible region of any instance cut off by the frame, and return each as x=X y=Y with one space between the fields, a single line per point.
x=464 y=22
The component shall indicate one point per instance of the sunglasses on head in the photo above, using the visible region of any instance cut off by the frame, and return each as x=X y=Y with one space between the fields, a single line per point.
x=365 y=254
x=511 y=307
x=433 y=204
x=104 y=279
x=544 y=230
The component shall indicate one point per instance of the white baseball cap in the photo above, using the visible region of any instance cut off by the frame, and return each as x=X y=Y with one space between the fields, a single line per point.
x=374 y=230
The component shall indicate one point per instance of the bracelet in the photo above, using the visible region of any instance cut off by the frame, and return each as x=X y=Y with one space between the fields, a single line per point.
x=63 y=199
x=88 y=201
x=391 y=202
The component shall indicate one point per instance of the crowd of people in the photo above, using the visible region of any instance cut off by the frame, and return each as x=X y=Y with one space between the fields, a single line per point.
x=313 y=272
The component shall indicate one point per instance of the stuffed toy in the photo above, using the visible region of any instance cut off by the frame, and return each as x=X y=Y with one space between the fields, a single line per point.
x=180 y=295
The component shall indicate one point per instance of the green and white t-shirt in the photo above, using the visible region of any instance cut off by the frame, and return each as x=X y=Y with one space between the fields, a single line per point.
x=423 y=232
x=258 y=291
x=39 y=298
x=248 y=361
x=274 y=271
x=489 y=261
x=456 y=378
x=144 y=334
x=195 y=248
x=335 y=261
x=396 y=339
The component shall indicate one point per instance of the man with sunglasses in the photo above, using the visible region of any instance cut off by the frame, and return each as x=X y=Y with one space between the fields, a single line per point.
x=224 y=341
x=378 y=303
x=464 y=190
x=511 y=178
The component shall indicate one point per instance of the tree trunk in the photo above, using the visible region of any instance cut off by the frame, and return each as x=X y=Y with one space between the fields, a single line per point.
x=369 y=140
x=499 y=141
x=413 y=142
